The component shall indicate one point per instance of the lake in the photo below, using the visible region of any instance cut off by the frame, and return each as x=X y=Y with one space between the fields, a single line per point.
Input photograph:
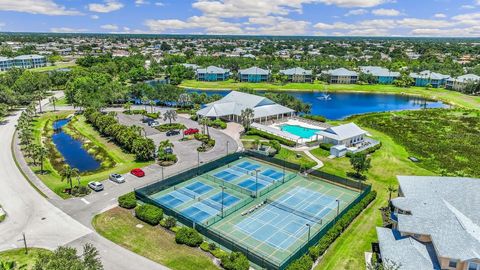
x=71 y=149
x=341 y=105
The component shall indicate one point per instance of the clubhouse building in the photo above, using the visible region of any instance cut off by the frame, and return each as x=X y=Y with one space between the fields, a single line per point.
x=231 y=106
x=436 y=224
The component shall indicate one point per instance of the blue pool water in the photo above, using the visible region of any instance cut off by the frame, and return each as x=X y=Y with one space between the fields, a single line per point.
x=72 y=151
x=342 y=105
x=302 y=132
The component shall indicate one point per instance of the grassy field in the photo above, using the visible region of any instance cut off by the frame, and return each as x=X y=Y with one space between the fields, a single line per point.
x=124 y=161
x=154 y=243
x=50 y=68
x=22 y=260
x=451 y=97
x=62 y=102
x=347 y=252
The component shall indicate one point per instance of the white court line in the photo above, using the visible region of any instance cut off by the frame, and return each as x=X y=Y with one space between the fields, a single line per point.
x=85 y=201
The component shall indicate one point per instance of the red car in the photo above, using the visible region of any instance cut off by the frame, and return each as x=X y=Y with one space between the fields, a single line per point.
x=138 y=172
x=191 y=131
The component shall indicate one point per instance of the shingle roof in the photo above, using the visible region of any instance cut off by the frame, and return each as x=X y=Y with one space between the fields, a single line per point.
x=341 y=72
x=296 y=71
x=379 y=71
x=447 y=209
x=254 y=71
x=212 y=70
x=342 y=132
x=407 y=252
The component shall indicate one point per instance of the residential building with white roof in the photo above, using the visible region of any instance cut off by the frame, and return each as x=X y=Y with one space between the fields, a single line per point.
x=382 y=75
x=341 y=76
x=5 y=63
x=436 y=224
x=297 y=74
x=212 y=74
x=254 y=75
x=428 y=77
x=461 y=82
x=348 y=135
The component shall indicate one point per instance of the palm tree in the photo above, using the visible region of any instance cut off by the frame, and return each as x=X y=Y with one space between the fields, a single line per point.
x=144 y=102
x=151 y=103
x=170 y=115
x=128 y=106
x=247 y=117
x=67 y=173
x=391 y=189
x=204 y=121
x=41 y=155
x=184 y=99
x=164 y=145
x=39 y=96
x=53 y=100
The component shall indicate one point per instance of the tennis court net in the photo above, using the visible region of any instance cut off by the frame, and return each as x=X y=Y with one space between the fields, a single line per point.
x=293 y=211
x=185 y=192
x=229 y=185
x=210 y=203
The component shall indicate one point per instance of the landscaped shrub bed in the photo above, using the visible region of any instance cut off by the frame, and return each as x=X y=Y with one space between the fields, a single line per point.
x=207 y=142
x=235 y=261
x=317 y=118
x=188 y=236
x=149 y=214
x=268 y=136
x=326 y=146
x=446 y=141
x=130 y=112
x=127 y=201
x=316 y=251
x=173 y=126
x=217 y=123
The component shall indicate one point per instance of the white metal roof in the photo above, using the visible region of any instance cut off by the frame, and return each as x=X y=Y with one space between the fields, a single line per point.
x=341 y=72
x=342 y=132
x=466 y=78
x=296 y=71
x=29 y=56
x=254 y=71
x=427 y=74
x=213 y=70
x=379 y=71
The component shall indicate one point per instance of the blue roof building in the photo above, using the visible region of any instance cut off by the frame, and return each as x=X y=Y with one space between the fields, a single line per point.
x=254 y=75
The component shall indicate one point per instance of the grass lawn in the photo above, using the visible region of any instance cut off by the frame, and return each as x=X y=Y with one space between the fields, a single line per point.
x=291 y=156
x=124 y=161
x=62 y=102
x=22 y=260
x=347 y=252
x=451 y=97
x=154 y=243
x=57 y=66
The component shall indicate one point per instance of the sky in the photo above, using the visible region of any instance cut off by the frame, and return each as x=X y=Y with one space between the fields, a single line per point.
x=459 y=18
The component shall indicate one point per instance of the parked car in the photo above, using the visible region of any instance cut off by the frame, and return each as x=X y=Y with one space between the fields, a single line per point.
x=168 y=150
x=97 y=186
x=173 y=132
x=147 y=120
x=117 y=178
x=154 y=123
x=191 y=131
x=138 y=172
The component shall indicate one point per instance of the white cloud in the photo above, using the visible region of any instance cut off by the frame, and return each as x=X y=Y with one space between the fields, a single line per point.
x=355 y=12
x=141 y=2
x=106 y=7
x=67 y=30
x=159 y=4
x=110 y=27
x=354 y=3
x=440 y=15
x=386 y=12
x=211 y=25
x=95 y=17
x=423 y=23
x=45 y=7
x=279 y=26
x=467 y=7
x=2 y=24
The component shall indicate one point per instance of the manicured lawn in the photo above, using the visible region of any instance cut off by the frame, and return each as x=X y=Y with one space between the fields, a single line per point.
x=124 y=161
x=22 y=260
x=451 y=97
x=62 y=102
x=291 y=156
x=347 y=252
x=50 y=68
x=154 y=243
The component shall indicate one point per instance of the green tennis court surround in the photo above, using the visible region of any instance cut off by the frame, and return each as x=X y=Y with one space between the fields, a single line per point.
x=256 y=205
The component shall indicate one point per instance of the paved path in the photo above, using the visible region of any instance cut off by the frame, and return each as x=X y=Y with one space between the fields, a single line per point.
x=318 y=161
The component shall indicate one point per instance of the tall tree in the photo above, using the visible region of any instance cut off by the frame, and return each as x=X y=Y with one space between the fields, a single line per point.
x=68 y=173
x=246 y=117
x=171 y=115
x=360 y=163
x=53 y=100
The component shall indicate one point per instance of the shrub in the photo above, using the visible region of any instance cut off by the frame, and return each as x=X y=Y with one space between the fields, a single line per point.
x=326 y=146
x=218 y=253
x=275 y=145
x=268 y=136
x=304 y=263
x=149 y=214
x=80 y=191
x=317 y=118
x=172 y=126
x=188 y=236
x=168 y=222
x=218 y=123
x=127 y=201
x=236 y=261
x=205 y=247
x=153 y=115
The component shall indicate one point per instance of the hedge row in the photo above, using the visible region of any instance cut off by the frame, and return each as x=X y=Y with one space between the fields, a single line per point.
x=326 y=146
x=127 y=201
x=268 y=136
x=332 y=234
x=188 y=236
x=317 y=118
x=149 y=214
x=172 y=126
x=368 y=150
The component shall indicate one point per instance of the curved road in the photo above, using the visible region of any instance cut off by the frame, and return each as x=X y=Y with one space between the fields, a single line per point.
x=49 y=223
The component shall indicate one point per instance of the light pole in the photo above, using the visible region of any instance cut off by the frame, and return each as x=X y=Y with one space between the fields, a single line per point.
x=338 y=209
x=227 y=147
x=308 y=225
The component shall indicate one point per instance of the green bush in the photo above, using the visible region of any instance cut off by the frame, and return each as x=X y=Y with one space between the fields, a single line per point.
x=304 y=263
x=236 y=261
x=188 y=236
x=218 y=253
x=275 y=145
x=367 y=151
x=205 y=247
x=317 y=118
x=80 y=191
x=149 y=214
x=127 y=201
x=334 y=232
x=153 y=115
x=172 y=126
x=168 y=222
x=135 y=112
x=326 y=146
x=218 y=123
x=268 y=136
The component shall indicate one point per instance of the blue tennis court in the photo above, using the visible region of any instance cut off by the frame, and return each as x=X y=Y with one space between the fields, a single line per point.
x=247 y=165
x=251 y=185
x=199 y=188
x=226 y=175
x=282 y=222
x=228 y=199
x=199 y=212
x=272 y=174
x=173 y=199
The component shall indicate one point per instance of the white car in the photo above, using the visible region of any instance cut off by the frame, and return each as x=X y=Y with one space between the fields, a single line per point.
x=154 y=124
x=97 y=186
x=117 y=178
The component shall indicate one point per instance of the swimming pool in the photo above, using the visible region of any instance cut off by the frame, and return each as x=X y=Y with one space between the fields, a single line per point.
x=302 y=132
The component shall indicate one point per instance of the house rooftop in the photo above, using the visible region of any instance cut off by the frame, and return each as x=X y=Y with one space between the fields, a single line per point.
x=342 y=132
x=467 y=78
x=296 y=71
x=254 y=71
x=427 y=74
x=341 y=72
x=28 y=56
x=379 y=71
x=212 y=70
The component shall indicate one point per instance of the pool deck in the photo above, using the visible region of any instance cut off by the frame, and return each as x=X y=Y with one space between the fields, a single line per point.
x=296 y=122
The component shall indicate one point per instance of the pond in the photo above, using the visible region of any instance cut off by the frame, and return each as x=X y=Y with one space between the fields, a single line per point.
x=336 y=106
x=71 y=149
